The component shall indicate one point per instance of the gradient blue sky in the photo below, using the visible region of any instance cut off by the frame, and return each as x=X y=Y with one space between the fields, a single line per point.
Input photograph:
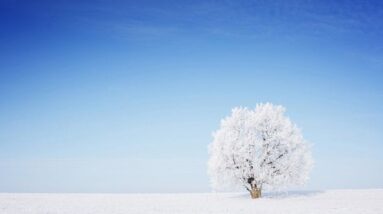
x=122 y=96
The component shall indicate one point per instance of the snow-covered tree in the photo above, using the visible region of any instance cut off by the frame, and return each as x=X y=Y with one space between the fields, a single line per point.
x=258 y=149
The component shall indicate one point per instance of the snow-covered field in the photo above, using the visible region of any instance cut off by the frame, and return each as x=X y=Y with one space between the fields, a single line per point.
x=331 y=201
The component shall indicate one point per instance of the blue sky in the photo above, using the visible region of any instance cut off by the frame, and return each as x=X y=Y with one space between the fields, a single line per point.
x=122 y=96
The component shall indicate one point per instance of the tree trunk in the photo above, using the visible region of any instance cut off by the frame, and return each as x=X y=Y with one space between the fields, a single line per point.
x=255 y=192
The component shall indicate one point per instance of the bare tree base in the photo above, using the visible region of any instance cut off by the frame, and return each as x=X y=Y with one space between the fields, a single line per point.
x=255 y=193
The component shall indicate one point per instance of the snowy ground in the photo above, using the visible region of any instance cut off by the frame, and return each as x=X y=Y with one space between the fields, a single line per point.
x=332 y=201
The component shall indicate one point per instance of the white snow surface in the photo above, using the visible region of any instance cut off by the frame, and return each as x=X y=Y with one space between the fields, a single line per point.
x=330 y=201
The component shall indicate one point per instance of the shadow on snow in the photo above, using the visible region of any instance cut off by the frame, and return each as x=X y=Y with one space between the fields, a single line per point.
x=283 y=194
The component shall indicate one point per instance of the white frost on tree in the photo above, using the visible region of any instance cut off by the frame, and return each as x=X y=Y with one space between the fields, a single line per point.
x=257 y=149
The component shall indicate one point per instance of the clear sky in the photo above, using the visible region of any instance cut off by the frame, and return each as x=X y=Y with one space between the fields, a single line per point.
x=122 y=96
